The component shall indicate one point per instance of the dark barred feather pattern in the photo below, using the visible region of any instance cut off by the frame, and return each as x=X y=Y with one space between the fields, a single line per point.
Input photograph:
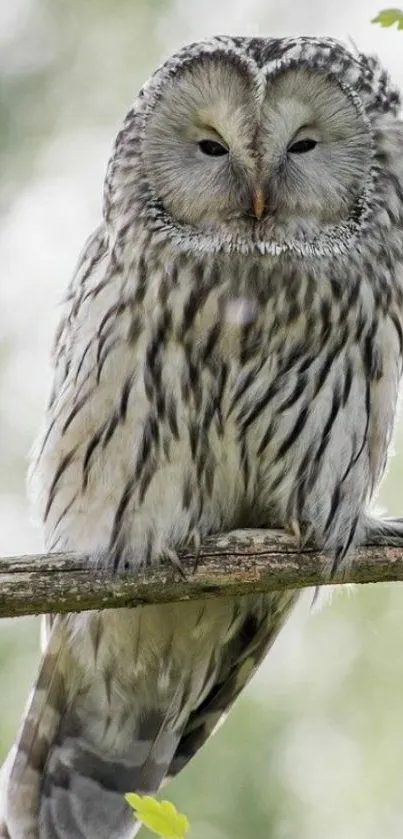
x=205 y=382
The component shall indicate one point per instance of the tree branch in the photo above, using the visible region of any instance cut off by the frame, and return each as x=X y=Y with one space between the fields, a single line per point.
x=241 y=562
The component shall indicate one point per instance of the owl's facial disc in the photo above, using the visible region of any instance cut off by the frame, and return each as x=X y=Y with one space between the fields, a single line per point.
x=265 y=157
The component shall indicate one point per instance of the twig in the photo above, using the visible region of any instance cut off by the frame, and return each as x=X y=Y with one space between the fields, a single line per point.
x=241 y=562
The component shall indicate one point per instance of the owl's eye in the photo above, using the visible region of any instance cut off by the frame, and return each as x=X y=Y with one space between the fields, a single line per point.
x=302 y=146
x=212 y=148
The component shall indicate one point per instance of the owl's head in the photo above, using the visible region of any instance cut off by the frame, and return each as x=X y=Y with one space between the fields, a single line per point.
x=243 y=144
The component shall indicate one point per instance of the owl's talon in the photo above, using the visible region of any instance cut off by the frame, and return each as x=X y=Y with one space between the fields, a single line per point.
x=173 y=558
x=302 y=538
x=306 y=538
x=195 y=541
x=295 y=529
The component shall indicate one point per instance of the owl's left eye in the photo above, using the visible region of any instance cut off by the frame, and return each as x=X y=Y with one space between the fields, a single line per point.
x=302 y=146
x=212 y=148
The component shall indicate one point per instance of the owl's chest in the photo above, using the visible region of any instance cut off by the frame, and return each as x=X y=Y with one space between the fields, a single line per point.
x=275 y=382
x=241 y=313
x=246 y=344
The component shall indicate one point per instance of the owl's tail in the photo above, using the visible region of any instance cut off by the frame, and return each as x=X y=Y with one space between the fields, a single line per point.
x=84 y=786
x=73 y=763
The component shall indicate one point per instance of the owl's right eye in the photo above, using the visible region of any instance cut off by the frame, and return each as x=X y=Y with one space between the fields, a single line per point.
x=212 y=148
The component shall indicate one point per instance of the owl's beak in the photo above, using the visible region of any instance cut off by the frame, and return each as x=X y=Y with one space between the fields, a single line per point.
x=258 y=203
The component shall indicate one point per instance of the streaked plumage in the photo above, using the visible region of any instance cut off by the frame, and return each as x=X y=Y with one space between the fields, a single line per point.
x=213 y=369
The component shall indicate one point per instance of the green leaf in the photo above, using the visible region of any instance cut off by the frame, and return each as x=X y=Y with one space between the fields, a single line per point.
x=388 y=17
x=161 y=817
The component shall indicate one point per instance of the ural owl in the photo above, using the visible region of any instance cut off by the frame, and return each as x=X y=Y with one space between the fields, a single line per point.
x=229 y=356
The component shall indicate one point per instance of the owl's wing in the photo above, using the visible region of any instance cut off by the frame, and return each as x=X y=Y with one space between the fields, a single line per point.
x=248 y=650
x=90 y=258
x=382 y=401
x=22 y=770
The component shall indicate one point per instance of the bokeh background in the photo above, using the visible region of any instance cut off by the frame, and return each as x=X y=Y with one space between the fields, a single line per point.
x=315 y=747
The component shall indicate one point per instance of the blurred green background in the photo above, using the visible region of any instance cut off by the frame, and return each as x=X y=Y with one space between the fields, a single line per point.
x=315 y=747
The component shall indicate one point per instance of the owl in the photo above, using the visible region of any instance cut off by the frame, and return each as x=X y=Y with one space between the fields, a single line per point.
x=229 y=356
